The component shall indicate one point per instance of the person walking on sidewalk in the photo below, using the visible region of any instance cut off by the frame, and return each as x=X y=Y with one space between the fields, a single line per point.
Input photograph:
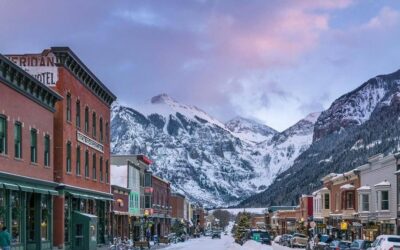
x=5 y=239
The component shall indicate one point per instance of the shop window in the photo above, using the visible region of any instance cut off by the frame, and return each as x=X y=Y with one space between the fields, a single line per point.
x=15 y=217
x=67 y=218
x=3 y=135
x=68 y=157
x=86 y=119
x=68 y=107
x=78 y=114
x=78 y=161
x=30 y=217
x=47 y=150
x=365 y=202
x=3 y=211
x=34 y=145
x=94 y=124
x=326 y=201
x=94 y=167
x=385 y=200
x=86 y=163
x=44 y=225
x=18 y=140
x=101 y=130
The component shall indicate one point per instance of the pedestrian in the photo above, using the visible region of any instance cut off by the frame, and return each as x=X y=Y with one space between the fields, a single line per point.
x=5 y=239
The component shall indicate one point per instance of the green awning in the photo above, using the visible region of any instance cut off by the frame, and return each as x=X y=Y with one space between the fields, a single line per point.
x=41 y=190
x=26 y=188
x=9 y=186
x=89 y=197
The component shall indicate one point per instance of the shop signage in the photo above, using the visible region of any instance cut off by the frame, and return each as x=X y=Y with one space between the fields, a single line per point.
x=89 y=142
x=343 y=225
x=40 y=66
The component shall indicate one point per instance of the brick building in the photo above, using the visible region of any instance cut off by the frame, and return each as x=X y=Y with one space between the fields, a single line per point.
x=82 y=144
x=177 y=203
x=120 y=212
x=26 y=157
x=161 y=215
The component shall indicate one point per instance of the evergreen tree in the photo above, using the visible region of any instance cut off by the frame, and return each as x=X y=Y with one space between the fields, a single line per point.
x=242 y=225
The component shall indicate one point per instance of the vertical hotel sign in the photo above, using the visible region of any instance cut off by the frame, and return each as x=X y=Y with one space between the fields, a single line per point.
x=40 y=66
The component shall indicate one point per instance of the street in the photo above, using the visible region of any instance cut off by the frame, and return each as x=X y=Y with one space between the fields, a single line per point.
x=225 y=243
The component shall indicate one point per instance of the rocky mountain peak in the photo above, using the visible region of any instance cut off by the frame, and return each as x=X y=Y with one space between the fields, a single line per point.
x=162 y=99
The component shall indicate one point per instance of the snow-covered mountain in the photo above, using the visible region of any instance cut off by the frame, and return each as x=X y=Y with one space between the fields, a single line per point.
x=250 y=130
x=359 y=124
x=214 y=163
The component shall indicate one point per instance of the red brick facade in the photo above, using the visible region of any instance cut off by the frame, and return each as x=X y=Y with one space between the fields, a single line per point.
x=32 y=116
x=177 y=203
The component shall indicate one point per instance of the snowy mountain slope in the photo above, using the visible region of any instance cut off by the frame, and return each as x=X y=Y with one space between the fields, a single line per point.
x=360 y=124
x=250 y=130
x=355 y=107
x=204 y=159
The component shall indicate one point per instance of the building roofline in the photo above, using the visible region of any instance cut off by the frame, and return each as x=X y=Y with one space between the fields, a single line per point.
x=24 y=83
x=67 y=58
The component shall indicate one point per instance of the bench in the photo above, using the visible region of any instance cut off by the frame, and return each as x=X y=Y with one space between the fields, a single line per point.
x=142 y=244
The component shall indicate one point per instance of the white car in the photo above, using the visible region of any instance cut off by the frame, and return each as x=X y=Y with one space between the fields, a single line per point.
x=387 y=242
x=277 y=238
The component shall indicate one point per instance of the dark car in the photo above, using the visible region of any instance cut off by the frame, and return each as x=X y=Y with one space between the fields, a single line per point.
x=339 y=245
x=216 y=234
x=285 y=240
x=360 y=245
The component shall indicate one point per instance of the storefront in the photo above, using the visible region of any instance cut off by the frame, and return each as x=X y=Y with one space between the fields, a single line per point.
x=93 y=204
x=26 y=207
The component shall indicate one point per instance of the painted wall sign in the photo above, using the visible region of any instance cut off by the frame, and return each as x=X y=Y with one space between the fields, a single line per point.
x=40 y=66
x=89 y=141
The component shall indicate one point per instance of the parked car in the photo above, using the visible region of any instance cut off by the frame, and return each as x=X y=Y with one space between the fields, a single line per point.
x=216 y=234
x=207 y=233
x=285 y=240
x=339 y=245
x=277 y=238
x=298 y=240
x=360 y=245
x=387 y=242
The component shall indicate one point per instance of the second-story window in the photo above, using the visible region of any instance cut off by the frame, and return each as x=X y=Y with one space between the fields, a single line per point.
x=101 y=169
x=365 y=202
x=78 y=161
x=94 y=167
x=86 y=163
x=326 y=201
x=68 y=157
x=68 y=107
x=385 y=200
x=107 y=171
x=3 y=135
x=18 y=140
x=101 y=130
x=94 y=124
x=47 y=150
x=107 y=133
x=86 y=119
x=78 y=114
x=349 y=200
x=34 y=145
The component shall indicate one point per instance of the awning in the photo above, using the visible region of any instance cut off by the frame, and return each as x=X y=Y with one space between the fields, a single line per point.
x=41 y=190
x=347 y=187
x=9 y=186
x=89 y=197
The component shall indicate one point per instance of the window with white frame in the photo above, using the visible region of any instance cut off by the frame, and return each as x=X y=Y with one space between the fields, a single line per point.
x=364 y=202
x=384 y=200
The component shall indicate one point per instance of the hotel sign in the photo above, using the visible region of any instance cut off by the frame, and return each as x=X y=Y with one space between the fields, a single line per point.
x=89 y=141
x=40 y=66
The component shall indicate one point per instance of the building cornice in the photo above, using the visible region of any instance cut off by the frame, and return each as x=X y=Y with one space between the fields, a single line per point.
x=67 y=58
x=18 y=79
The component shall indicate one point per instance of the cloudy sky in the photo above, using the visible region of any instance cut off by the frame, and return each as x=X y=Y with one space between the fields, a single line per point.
x=275 y=61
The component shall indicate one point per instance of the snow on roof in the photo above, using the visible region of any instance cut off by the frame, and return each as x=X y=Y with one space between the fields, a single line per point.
x=320 y=190
x=364 y=188
x=347 y=187
x=384 y=183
